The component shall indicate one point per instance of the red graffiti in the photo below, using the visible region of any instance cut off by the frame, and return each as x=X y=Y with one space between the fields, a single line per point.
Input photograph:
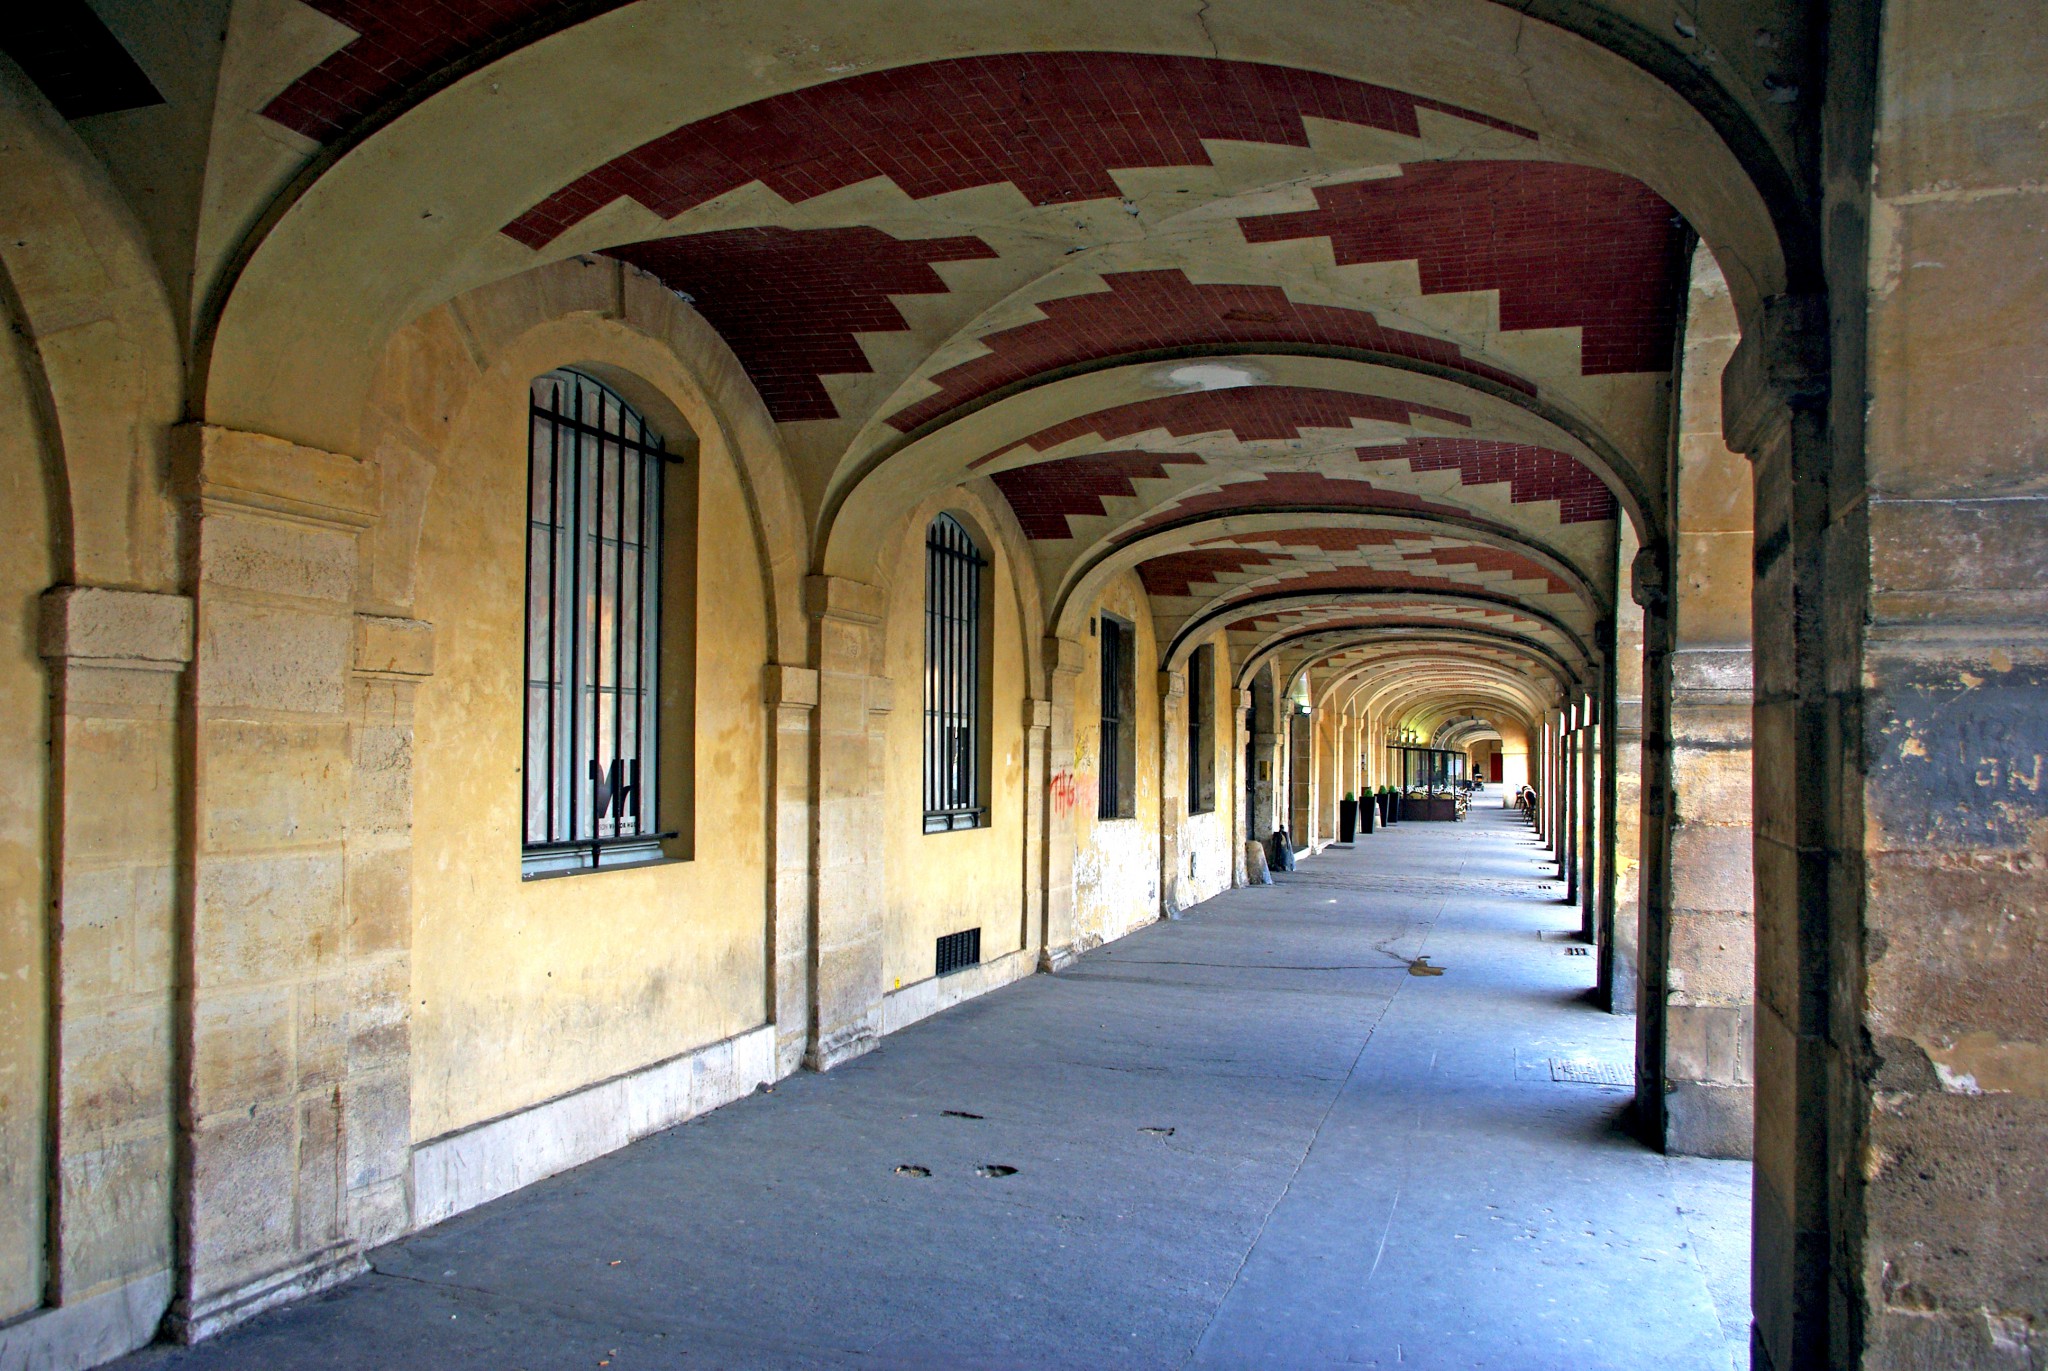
x=1068 y=790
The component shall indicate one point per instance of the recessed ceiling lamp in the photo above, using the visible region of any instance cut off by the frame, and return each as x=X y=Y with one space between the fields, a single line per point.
x=1209 y=376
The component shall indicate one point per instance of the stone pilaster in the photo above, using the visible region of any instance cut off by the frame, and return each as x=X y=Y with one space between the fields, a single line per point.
x=296 y=1084
x=1063 y=672
x=791 y=693
x=1774 y=395
x=1710 y=1031
x=1038 y=804
x=846 y=926
x=1173 y=792
x=117 y=661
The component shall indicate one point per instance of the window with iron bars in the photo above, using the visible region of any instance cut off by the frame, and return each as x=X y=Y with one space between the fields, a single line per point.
x=595 y=480
x=1116 y=791
x=954 y=795
x=1202 y=730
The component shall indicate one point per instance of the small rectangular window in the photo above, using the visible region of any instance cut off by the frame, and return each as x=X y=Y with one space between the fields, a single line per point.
x=1116 y=791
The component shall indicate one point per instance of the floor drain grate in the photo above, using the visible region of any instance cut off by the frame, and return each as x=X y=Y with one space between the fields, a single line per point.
x=1586 y=1071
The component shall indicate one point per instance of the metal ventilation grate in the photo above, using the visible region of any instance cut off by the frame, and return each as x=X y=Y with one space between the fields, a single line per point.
x=1588 y=1071
x=958 y=951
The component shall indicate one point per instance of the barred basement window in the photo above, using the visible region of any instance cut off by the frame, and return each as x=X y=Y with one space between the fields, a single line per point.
x=593 y=629
x=1202 y=730
x=1116 y=791
x=953 y=768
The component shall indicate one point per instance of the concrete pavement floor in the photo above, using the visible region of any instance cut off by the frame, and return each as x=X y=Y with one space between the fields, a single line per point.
x=1249 y=1137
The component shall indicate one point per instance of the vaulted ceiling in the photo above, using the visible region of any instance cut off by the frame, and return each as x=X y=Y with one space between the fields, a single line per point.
x=1347 y=331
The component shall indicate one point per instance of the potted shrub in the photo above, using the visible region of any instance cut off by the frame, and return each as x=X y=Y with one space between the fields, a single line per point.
x=1347 y=818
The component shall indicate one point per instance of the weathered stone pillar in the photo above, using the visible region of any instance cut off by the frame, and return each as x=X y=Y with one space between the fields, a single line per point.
x=1063 y=672
x=1587 y=841
x=792 y=695
x=1698 y=1037
x=1629 y=768
x=1173 y=791
x=1240 y=789
x=846 y=926
x=296 y=1094
x=1037 y=814
x=1932 y=686
x=117 y=660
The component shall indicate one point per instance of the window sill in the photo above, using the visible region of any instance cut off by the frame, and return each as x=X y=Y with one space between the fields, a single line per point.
x=527 y=877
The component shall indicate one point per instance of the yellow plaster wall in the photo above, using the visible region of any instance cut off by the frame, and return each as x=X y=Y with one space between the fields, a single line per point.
x=941 y=883
x=25 y=571
x=523 y=990
x=1116 y=861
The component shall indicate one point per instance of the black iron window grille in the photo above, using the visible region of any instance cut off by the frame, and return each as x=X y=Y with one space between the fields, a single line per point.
x=1201 y=731
x=593 y=630
x=953 y=789
x=1113 y=797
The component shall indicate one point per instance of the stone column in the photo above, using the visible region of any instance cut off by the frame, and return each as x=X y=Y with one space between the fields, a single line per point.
x=1173 y=791
x=1587 y=841
x=1037 y=801
x=1932 y=629
x=1056 y=938
x=1629 y=766
x=117 y=661
x=846 y=927
x=296 y=1090
x=1698 y=1039
x=1240 y=821
x=1569 y=807
x=792 y=696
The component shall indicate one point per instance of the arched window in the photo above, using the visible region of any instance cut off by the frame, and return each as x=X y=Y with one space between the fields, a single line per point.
x=955 y=770
x=596 y=480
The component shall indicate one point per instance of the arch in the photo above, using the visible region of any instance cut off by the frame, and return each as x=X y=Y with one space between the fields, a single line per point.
x=639 y=339
x=457 y=141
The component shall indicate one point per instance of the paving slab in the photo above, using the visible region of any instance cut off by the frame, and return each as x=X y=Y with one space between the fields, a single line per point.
x=1252 y=1136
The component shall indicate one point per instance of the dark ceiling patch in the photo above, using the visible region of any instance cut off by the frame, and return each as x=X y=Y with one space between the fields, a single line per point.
x=402 y=44
x=1053 y=124
x=83 y=69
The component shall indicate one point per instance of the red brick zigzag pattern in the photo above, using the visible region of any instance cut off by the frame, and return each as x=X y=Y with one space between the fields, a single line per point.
x=1250 y=412
x=1052 y=124
x=1161 y=310
x=789 y=303
x=1566 y=246
x=1531 y=473
x=402 y=43
x=1043 y=496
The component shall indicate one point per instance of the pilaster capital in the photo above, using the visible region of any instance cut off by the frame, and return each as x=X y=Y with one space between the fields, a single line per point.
x=1172 y=685
x=1037 y=713
x=794 y=687
x=393 y=649
x=136 y=629
x=1778 y=367
x=837 y=597
x=225 y=467
x=1063 y=655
